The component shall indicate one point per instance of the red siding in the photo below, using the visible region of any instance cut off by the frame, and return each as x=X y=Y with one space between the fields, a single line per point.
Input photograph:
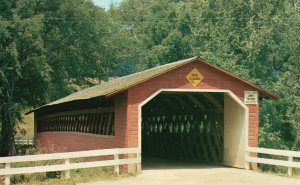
x=67 y=142
x=176 y=79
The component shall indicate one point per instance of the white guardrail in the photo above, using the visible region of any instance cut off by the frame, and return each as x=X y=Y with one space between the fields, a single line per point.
x=287 y=153
x=7 y=171
x=23 y=141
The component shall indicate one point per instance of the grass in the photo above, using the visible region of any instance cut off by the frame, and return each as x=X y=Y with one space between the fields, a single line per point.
x=77 y=176
x=295 y=175
x=278 y=170
x=27 y=124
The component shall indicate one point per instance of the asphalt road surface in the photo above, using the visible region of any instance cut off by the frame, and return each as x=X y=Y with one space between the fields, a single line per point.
x=164 y=172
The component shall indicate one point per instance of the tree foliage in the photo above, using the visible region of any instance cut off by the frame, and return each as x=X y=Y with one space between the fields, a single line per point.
x=75 y=35
x=48 y=49
x=24 y=73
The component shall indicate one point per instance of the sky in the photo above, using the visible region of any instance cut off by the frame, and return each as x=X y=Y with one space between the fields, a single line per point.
x=105 y=3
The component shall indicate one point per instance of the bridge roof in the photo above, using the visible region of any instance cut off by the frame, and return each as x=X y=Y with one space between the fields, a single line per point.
x=117 y=85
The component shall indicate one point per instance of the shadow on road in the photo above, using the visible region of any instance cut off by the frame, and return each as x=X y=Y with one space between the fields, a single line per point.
x=152 y=163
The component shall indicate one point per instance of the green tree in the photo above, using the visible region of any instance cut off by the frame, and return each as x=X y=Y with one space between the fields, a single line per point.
x=75 y=35
x=24 y=75
x=48 y=49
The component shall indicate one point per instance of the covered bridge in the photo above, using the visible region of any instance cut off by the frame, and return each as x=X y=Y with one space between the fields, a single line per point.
x=186 y=110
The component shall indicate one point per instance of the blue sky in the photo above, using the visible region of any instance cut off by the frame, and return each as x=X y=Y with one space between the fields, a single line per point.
x=105 y=3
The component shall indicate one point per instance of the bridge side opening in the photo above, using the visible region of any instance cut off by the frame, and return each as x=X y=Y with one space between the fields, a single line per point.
x=94 y=116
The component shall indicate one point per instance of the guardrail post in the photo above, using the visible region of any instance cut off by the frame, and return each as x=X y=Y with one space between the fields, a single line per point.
x=290 y=169
x=116 y=167
x=67 y=172
x=7 y=177
x=247 y=164
x=139 y=165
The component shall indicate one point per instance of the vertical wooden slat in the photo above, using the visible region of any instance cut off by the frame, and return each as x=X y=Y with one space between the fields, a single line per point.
x=202 y=140
x=64 y=123
x=217 y=138
x=76 y=123
x=81 y=123
x=85 y=123
x=71 y=123
x=56 y=120
x=108 y=124
x=60 y=123
x=88 y=123
x=56 y=123
x=112 y=127
x=104 y=123
x=95 y=123
x=67 y=129
x=92 y=119
x=53 y=125
x=209 y=140
x=42 y=125
x=46 y=125
x=100 y=122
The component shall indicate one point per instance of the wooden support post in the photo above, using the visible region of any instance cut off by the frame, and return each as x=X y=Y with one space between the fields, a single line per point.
x=203 y=146
x=67 y=172
x=117 y=168
x=7 y=177
x=290 y=169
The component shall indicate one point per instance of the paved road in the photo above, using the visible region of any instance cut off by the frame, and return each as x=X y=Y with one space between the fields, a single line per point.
x=170 y=173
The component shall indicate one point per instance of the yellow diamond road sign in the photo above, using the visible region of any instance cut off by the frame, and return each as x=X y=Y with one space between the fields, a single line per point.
x=194 y=77
x=23 y=132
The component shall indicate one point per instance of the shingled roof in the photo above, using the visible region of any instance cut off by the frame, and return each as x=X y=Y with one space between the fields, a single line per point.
x=120 y=84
